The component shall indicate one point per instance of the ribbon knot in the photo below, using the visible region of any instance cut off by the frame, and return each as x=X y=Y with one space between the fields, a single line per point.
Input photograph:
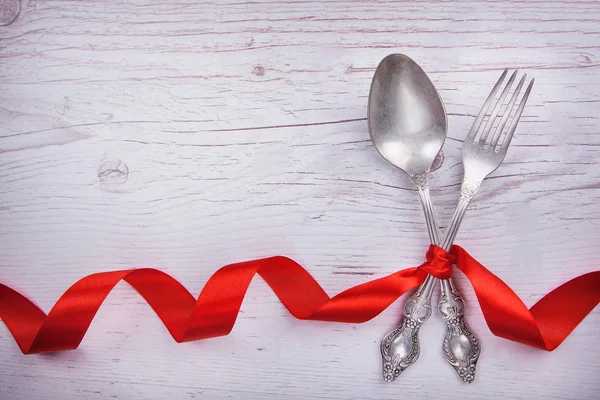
x=439 y=262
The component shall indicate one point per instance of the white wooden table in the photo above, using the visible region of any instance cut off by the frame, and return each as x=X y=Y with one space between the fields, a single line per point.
x=186 y=136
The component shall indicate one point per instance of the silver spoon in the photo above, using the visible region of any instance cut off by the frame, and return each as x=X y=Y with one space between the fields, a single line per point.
x=407 y=123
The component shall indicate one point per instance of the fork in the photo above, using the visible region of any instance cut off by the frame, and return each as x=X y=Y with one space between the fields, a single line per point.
x=482 y=154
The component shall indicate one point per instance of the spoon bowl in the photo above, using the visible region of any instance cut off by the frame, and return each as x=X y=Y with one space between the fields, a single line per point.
x=406 y=116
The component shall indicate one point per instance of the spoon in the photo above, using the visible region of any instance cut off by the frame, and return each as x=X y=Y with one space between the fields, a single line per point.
x=407 y=123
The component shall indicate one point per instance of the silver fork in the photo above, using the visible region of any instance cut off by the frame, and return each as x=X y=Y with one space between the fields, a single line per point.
x=482 y=154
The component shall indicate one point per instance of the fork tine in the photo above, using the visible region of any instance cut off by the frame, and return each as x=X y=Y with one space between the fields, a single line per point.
x=484 y=108
x=515 y=121
x=496 y=109
x=496 y=136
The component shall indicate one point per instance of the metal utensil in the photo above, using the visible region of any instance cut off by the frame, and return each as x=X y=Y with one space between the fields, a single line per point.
x=482 y=154
x=407 y=123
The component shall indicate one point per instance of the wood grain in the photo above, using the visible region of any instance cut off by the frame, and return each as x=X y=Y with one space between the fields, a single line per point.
x=186 y=136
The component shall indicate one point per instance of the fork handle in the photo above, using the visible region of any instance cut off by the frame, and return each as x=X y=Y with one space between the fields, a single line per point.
x=457 y=217
x=461 y=348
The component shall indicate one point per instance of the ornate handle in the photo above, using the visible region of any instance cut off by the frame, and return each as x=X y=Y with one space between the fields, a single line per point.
x=400 y=348
x=461 y=348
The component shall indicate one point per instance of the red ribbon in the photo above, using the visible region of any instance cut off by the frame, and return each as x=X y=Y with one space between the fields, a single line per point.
x=545 y=326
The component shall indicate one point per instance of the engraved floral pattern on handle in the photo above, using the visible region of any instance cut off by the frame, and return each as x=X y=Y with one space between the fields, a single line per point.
x=400 y=348
x=461 y=348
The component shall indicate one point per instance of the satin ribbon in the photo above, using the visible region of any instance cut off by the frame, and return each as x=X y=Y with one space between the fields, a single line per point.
x=213 y=314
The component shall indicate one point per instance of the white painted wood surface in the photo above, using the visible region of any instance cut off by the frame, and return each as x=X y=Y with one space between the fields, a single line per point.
x=185 y=136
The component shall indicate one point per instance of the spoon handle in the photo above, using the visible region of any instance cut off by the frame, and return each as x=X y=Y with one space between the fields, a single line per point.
x=461 y=348
x=400 y=348
x=432 y=228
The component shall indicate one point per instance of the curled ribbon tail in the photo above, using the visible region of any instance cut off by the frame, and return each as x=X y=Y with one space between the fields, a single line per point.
x=214 y=312
x=548 y=323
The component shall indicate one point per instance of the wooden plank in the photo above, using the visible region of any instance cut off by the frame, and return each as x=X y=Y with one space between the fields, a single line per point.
x=187 y=136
